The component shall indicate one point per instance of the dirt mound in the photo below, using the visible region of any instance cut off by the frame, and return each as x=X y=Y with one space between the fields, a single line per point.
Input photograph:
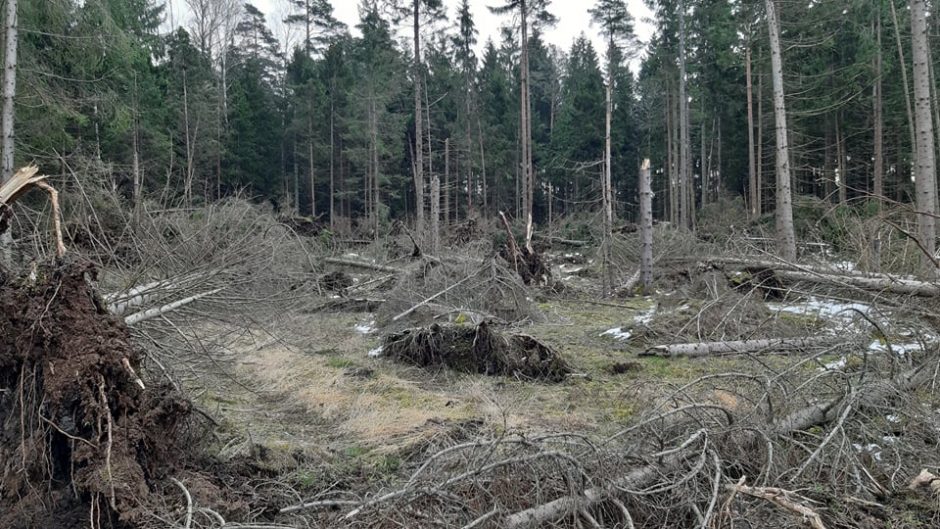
x=79 y=436
x=477 y=349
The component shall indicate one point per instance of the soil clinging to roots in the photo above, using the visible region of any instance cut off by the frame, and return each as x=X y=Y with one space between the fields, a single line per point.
x=80 y=439
x=477 y=349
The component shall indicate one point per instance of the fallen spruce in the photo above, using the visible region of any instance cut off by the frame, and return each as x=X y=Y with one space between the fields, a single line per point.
x=476 y=349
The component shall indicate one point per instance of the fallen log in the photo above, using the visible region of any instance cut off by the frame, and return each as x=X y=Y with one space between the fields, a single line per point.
x=793 y=272
x=732 y=347
x=564 y=242
x=363 y=265
x=148 y=314
x=880 y=282
x=816 y=414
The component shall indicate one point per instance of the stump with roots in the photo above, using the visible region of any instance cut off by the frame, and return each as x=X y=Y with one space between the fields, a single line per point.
x=80 y=437
x=479 y=349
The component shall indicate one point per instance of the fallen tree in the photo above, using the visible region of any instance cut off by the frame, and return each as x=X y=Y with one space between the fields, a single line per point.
x=771 y=345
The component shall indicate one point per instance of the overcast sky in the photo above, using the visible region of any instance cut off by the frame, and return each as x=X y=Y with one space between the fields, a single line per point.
x=573 y=18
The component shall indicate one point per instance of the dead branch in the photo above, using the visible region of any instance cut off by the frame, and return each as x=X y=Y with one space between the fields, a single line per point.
x=784 y=499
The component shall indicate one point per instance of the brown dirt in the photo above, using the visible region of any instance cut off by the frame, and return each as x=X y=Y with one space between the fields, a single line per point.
x=77 y=434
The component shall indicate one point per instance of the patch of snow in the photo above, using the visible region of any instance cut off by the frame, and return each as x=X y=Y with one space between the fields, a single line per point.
x=375 y=353
x=644 y=318
x=835 y=365
x=351 y=255
x=367 y=327
x=845 y=266
x=893 y=418
x=871 y=448
x=618 y=333
x=900 y=349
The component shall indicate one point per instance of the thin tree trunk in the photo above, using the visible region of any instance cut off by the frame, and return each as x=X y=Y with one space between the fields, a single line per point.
x=840 y=162
x=9 y=90
x=646 y=228
x=310 y=168
x=878 y=162
x=786 y=238
x=190 y=151
x=332 y=159
x=419 y=136
x=606 y=179
x=759 y=178
x=528 y=175
x=135 y=137
x=907 y=87
x=436 y=203
x=376 y=172
x=296 y=205
x=684 y=184
x=925 y=177
x=486 y=206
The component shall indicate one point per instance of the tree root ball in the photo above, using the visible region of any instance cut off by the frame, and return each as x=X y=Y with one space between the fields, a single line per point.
x=77 y=432
x=479 y=349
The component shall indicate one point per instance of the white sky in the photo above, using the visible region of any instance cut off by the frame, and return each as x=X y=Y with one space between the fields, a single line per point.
x=573 y=19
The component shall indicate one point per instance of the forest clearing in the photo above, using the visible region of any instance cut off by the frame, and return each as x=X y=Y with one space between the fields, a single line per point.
x=262 y=271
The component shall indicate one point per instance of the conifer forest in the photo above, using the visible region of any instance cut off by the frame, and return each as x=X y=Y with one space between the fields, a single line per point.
x=294 y=264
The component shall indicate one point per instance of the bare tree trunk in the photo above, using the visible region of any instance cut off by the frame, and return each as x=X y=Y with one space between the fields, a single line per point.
x=375 y=176
x=759 y=178
x=528 y=175
x=332 y=160
x=840 y=159
x=310 y=168
x=925 y=177
x=878 y=162
x=685 y=219
x=786 y=238
x=606 y=177
x=436 y=203
x=9 y=90
x=907 y=89
x=135 y=147
x=446 y=183
x=486 y=206
x=190 y=150
x=419 y=136
x=646 y=228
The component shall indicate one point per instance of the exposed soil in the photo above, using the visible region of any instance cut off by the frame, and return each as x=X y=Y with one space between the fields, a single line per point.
x=79 y=437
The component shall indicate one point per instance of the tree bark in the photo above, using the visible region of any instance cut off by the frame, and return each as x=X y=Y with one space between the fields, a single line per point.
x=436 y=202
x=770 y=345
x=606 y=178
x=925 y=176
x=907 y=89
x=527 y=169
x=786 y=239
x=685 y=219
x=878 y=162
x=759 y=178
x=419 y=136
x=646 y=228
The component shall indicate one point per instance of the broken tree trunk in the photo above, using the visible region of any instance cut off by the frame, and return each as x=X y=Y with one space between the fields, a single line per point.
x=770 y=345
x=18 y=184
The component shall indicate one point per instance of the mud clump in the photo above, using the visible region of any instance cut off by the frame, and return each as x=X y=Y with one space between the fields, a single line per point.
x=79 y=436
x=478 y=349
